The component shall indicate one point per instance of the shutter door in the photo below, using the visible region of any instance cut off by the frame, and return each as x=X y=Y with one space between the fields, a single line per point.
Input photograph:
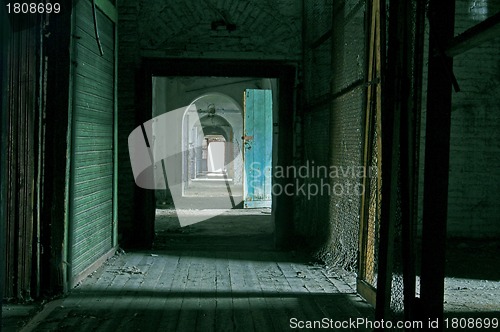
x=91 y=211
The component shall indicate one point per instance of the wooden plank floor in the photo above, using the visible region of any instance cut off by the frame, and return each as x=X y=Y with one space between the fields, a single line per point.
x=219 y=275
x=203 y=291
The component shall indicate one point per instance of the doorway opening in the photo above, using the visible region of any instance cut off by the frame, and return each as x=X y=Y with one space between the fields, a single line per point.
x=218 y=188
x=212 y=156
x=204 y=76
x=213 y=159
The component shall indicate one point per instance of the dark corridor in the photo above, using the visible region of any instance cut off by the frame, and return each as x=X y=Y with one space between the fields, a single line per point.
x=383 y=164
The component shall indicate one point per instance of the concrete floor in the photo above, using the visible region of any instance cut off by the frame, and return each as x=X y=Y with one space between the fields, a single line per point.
x=206 y=194
x=218 y=275
x=228 y=230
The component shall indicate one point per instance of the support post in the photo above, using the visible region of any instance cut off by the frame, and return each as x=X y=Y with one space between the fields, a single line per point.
x=437 y=152
x=389 y=119
x=56 y=45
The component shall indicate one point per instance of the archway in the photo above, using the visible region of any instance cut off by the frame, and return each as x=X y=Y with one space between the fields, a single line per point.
x=212 y=130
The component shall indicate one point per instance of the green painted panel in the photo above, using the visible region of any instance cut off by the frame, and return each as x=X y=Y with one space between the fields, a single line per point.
x=91 y=196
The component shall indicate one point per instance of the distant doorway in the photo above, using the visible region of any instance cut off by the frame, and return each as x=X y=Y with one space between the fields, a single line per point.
x=216 y=150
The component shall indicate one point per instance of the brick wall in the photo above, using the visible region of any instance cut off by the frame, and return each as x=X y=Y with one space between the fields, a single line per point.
x=311 y=222
x=311 y=211
x=473 y=206
x=332 y=125
x=264 y=29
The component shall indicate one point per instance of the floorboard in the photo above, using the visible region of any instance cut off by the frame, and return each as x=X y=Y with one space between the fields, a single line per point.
x=220 y=275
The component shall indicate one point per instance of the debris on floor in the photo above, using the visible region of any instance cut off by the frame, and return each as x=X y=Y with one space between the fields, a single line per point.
x=127 y=270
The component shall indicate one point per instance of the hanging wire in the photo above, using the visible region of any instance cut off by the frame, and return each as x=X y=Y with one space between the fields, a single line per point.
x=98 y=40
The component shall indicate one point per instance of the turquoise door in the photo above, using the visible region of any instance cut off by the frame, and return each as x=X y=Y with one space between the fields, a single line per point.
x=258 y=146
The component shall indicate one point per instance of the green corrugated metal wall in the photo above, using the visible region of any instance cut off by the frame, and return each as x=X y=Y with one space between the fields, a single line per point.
x=91 y=191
